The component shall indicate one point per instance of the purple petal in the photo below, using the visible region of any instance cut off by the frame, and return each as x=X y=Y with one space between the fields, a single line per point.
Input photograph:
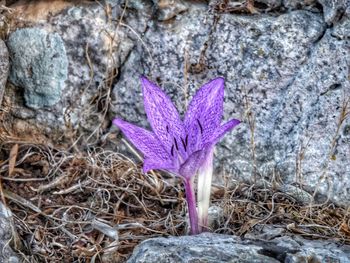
x=162 y=114
x=204 y=113
x=145 y=141
x=190 y=167
x=221 y=131
x=154 y=164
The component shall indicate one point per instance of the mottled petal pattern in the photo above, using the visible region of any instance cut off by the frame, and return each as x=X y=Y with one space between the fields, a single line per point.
x=204 y=113
x=221 y=131
x=154 y=164
x=183 y=148
x=162 y=114
x=145 y=141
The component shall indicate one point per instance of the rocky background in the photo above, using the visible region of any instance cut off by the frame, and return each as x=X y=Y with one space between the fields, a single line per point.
x=67 y=68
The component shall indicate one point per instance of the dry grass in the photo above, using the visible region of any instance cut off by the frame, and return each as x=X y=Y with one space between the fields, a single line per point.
x=96 y=205
x=75 y=207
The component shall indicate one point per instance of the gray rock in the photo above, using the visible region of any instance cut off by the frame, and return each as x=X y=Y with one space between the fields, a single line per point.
x=96 y=45
x=308 y=114
x=299 y=194
x=7 y=236
x=167 y=9
x=39 y=65
x=298 y=4
x=4 y=68
x=271 y=4
x=334 y=9
x=223 y=248
x=342 y=29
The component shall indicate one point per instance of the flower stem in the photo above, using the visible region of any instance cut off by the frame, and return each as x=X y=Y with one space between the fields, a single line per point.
x=203 y=195
x=191 y=203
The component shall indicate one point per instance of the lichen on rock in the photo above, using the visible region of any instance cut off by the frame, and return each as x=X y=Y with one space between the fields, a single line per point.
x=39 y=65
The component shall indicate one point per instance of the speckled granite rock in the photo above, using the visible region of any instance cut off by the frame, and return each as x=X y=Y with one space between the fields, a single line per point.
x=334 y=9
x=39 y=65
x=4 y=68
x=298 y=4
x=342 y=29
x=308 y=114
x=222 y=248
x=167 y=9
x=271 y=5
x=7 y=255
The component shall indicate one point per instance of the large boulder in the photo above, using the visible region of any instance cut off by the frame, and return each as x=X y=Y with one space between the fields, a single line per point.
x=212 y=248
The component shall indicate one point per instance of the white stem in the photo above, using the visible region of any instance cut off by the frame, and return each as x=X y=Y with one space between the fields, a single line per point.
x=205 y=174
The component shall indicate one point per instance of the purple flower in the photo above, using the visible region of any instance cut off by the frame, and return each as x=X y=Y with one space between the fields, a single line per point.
x=182 y=147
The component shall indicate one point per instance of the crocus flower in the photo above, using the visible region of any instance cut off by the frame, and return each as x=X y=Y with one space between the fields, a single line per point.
x=184 y=148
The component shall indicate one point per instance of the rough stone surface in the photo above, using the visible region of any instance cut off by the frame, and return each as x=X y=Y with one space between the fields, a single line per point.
x=39 y=65
x=4 y=68
x=270 y=3
x=167 y=9
x=96 y=46
x=7 y=255
x=308 y=114
x=334 y=9
x=342 y=29
x=222 y=248
x=298 y=4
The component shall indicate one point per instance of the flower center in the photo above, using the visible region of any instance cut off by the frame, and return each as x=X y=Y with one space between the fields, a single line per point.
x=175 y=145
x=180 y=150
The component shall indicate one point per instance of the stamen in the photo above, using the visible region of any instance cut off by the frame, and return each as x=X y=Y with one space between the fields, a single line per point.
x=177 y=147
x=200 y=126
x=183 y=143
x=172 y=150
x=167 y=128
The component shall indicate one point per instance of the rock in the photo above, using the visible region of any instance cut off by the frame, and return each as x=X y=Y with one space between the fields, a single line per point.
x=39 y=65
x=95 y=46
x=299 y=194
x=270 y=4
x=7 y=232
x=167 y=9
x=334 y=9
x=342 y=29
x=309 y=115
x=298 y=4
x=265 y=232
x=208 y=247
x=4 y=68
